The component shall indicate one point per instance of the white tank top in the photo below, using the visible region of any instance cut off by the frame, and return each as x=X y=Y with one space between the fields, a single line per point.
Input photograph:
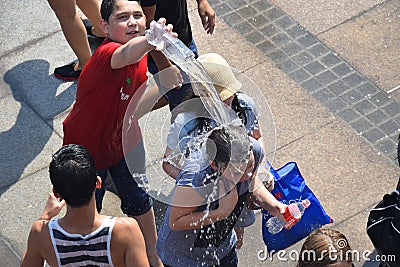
x=74 y=250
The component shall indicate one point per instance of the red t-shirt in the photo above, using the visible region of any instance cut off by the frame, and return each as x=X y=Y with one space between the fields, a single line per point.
x=102 y=98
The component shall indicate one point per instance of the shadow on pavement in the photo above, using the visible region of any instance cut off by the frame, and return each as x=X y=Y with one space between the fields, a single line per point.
x=35 y=90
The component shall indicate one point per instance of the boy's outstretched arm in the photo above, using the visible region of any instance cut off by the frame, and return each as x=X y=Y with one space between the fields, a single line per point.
x=131 y=52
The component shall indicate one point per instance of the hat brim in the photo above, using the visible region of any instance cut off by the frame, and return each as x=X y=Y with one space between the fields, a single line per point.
x=225 y=93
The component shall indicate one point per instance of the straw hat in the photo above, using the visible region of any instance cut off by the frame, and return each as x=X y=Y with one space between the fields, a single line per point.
x=221 y=75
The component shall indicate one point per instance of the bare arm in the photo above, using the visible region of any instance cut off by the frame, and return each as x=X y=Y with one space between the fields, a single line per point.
x=257 y=134
x=127 y=244
x=32 y=256
x=169 y=74
x=171 y=168
x=148 y=100
x=187 y=218
x=131 y=52
x=38 y=236
x=135 y=49
x=265 y=199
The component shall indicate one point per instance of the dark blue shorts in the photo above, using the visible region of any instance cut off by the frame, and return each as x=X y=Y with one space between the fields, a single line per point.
x=135 y=201
x=175 y=96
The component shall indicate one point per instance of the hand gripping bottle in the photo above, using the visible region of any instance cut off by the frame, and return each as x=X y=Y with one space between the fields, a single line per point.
x=172 y=47
x=292 y=215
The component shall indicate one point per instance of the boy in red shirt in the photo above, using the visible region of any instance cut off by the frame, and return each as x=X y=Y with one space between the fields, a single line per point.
x=106 y=85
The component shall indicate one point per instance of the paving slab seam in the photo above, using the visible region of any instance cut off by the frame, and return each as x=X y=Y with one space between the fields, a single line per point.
x=5 y=187
x=321 y=72
x=9 y=246
x=356 y=16
x=314 y=130
x=362 y=211
x=26 y=45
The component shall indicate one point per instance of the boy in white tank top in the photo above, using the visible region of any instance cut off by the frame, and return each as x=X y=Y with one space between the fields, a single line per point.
x=82 y=237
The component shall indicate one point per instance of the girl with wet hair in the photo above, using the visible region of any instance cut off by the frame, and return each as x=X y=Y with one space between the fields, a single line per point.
x=190 y=120
x=207 y=202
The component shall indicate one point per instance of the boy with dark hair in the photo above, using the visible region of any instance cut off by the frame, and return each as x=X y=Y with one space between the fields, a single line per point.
x=110 y=80
x=82 y=237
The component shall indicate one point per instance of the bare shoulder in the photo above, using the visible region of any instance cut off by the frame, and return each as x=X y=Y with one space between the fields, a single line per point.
x=127 y=243
x=126 y=226
x=39 y=229
x=125 y=222
x=39 y=247
x=40 y=236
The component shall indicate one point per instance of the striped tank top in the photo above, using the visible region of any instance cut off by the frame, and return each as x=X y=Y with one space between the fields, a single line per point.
x=76 y=250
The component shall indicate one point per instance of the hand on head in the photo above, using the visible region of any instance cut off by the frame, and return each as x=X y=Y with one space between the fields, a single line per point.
x=52 y=208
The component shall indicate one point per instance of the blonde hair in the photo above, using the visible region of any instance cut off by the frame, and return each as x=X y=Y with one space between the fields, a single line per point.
x=323 y=247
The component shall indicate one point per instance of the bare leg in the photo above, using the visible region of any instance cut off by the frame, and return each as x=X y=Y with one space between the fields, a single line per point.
x=162 y=102
x=148 y=226
x=73 y=29
x=91 y=9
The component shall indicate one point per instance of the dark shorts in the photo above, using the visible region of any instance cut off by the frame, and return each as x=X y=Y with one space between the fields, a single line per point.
x=175 y=96
x=135 y=201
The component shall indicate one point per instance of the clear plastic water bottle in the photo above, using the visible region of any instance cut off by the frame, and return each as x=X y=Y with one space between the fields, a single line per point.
x=171 y=47
x=292 y=215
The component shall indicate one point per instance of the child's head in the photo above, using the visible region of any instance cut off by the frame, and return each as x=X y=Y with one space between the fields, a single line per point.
x=325 y=248
x=73 y=175
x=229 y=148
x=122 y=20
x=221 y=75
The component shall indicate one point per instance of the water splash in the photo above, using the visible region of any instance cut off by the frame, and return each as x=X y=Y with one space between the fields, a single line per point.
x=155 y=125
x=181 y=55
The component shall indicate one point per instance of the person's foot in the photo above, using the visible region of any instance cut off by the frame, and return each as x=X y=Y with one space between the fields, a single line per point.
x=67 y=72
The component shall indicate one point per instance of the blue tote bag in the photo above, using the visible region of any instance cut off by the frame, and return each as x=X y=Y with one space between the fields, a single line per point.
x=290 y=187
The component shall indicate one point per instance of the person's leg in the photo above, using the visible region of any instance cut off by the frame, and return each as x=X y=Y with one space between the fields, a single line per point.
x=193 y=47
x=91 y=9
x=129 y=178
x=73 y=29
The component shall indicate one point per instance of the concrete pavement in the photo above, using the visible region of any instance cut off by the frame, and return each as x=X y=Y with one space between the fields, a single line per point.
x=328 y=71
